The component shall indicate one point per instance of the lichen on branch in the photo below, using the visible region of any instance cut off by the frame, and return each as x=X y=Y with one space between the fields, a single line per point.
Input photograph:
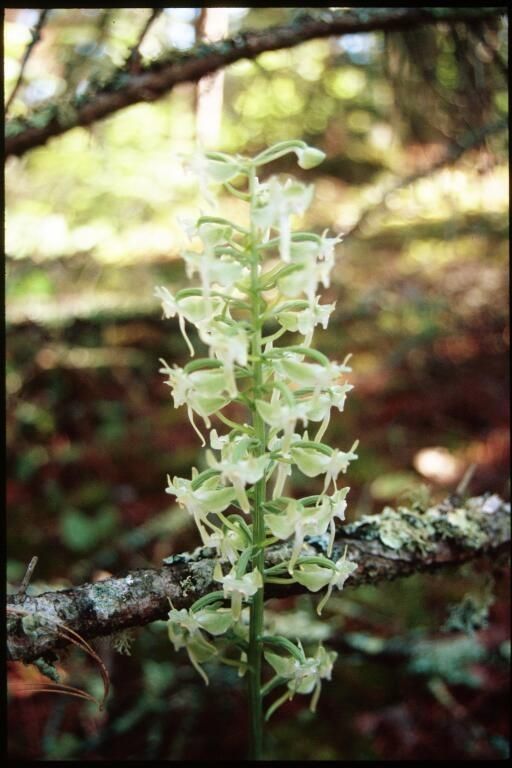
x=158 y=78
x=446 y=534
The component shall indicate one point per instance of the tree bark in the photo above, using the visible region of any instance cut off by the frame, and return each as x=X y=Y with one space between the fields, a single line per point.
x=385 y=546
x=160 y=77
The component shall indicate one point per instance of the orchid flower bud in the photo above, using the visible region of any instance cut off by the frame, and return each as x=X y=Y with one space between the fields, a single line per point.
x=310 y=157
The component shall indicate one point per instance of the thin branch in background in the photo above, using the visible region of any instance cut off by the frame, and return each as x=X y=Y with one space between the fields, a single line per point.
x=427 y=71
x=69 y=636
x=162 y=75
x=102 y=27
x=28 y=575
x=454 y=151
x=134 y=59
x=472 y=76
x=36 y=36
x=466 y=479
x=479 y=33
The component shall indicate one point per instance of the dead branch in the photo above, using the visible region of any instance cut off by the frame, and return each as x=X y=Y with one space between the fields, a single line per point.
x=386 y=546
x=160 y=77
x=36 y=36
x=134 y=58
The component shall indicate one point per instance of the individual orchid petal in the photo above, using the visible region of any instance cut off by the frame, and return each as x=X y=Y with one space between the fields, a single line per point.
x=200 y=502
x=238 y=466
x=312 y=576
x=276 y=202
x=221 y=171
x=284 y=524
x=317 y=315
x=214 y=621
x=228 y=343
x=310 y=462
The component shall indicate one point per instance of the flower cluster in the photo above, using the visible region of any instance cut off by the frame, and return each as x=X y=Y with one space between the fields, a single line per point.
x=257 y=284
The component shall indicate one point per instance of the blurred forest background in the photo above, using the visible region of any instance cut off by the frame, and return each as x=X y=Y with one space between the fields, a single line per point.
x=413 y=123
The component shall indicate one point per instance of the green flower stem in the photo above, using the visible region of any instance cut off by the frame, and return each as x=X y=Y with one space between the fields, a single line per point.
x=254 y=655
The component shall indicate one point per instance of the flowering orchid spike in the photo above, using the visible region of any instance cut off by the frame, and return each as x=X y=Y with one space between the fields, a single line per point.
x=248 y=276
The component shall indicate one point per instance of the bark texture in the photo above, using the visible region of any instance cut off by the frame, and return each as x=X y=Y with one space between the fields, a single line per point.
x=159 y=78
x=392 y=544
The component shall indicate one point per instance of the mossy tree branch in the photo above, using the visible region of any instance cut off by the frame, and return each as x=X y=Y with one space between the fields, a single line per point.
x=386 y=546
x=159 y=77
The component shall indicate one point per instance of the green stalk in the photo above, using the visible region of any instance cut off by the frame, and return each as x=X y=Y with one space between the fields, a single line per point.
x=257 y=606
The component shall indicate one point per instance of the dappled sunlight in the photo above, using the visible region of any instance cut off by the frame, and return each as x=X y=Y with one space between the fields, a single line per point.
x=439 y=465
x=416 y=183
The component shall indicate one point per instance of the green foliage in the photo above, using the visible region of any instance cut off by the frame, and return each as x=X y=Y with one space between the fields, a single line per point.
x=81 y=532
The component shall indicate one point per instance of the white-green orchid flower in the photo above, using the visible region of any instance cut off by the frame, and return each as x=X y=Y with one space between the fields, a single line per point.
x=305 y=320
x=304 y=281
x=313 y=462
x=228 y=543
x=327 y=245
x=213 y=269
x=229 y=343
x=298 y=521
x=212 y=167
x=305 y=374
x=239 y=470
x=184 y=632
x=302 y=676
x=238 y=588
x=316 y=577
x=336 y=506
x=316 y=259
x=338 y=502
x=318 y=405
x=281 y=444
x=277 y=202
x=280 y=413
x=203 y=391
x=195 y=309
x=211 y=263
x=221 y=168
x=210 y=497
x=184 y=629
